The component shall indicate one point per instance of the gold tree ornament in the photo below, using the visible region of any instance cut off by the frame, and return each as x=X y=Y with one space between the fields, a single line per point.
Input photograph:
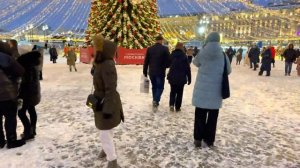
x=136 y=1
x=129 y=23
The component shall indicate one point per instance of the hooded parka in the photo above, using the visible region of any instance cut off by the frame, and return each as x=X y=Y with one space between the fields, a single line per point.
x=105 y=83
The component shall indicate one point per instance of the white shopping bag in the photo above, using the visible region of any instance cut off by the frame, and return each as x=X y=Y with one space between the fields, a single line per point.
x=144 y=85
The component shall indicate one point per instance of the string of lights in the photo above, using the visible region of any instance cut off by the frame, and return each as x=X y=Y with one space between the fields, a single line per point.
x=68 y=14
x=15 y=16
x=71 y=15
x=40 y=19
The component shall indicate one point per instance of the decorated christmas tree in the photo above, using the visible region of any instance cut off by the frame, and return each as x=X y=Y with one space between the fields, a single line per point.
x=130 y=23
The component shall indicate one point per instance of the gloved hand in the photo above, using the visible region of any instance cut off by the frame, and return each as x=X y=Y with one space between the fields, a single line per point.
x=145 y=75
x=107 y=116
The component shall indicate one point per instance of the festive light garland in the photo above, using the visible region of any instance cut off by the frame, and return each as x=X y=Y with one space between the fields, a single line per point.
x=13 y=10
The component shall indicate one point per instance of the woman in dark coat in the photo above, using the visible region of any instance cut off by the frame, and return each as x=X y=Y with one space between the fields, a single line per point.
x=290 y=56
x=266 y=62
x=30 y=92
x=105 y=84
x=179 y=74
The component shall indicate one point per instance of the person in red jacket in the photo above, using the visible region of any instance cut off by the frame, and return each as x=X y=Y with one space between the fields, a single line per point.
x=273 y=53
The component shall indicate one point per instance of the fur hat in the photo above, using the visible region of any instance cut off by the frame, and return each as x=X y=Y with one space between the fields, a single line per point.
x=98 y=42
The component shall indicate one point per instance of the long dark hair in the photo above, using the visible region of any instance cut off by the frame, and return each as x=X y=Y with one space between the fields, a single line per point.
x=4 y=48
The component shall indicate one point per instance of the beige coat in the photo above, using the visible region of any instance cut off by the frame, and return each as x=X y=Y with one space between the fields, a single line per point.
x=105 y=83
x=71 y=57
x=246 y=59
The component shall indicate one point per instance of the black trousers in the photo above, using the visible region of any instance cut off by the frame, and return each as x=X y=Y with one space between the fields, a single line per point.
x=41 y=75
x=28 y=125
x=254 y=63
x=8 y=109
x=176 y=96
x=262 y=71
x=190 y=59
x=205 y=125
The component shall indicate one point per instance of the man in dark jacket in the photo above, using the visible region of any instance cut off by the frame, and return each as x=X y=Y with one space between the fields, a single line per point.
x=290 y=56
x=10 y=71
x=230 y=53
x=158 y=60
x=53 y=54
x=254 y=57
x=179 y=75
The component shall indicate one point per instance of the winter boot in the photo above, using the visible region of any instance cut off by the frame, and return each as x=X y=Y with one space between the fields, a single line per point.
x=27 y=135
x=15 y=143
x=268 y=73
x=155 y=104
x=102 y=154
x=75 y=70
x=260 y=73
x=113 y=164
x=197 y=143
x=33 y=130
x=178 y=109
x=209 y=144
x=172 y=108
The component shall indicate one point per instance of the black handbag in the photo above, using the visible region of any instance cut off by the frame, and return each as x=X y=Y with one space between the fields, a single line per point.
x=94 y=103
x=225 y=81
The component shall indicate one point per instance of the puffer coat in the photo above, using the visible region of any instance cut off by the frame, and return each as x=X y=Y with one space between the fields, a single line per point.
x=105 y=83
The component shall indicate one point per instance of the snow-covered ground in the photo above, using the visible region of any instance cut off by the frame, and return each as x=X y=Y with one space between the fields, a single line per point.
x=259 y=126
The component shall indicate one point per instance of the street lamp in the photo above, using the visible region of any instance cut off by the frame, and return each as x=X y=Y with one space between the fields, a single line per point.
x=202 y=27
x=201 y=30
x=29 y=28
x=45 y=28
x=31 y=31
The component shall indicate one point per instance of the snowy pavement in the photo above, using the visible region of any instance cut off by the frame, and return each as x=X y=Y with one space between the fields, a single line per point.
x=259 y=126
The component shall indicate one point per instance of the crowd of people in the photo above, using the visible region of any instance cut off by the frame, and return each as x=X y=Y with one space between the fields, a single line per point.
x=20 y=76
x=207 y=96
x=19 y=93
x=267 y=56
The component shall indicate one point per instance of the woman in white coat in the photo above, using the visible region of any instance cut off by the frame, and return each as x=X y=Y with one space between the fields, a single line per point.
x=207 y=95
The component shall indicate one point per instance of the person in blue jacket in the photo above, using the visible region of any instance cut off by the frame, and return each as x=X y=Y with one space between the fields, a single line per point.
x=207 y=95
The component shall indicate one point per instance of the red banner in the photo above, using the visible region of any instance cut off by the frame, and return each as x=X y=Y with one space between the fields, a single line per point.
x=124 y=56
x=131 y=56
x=86 y=55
